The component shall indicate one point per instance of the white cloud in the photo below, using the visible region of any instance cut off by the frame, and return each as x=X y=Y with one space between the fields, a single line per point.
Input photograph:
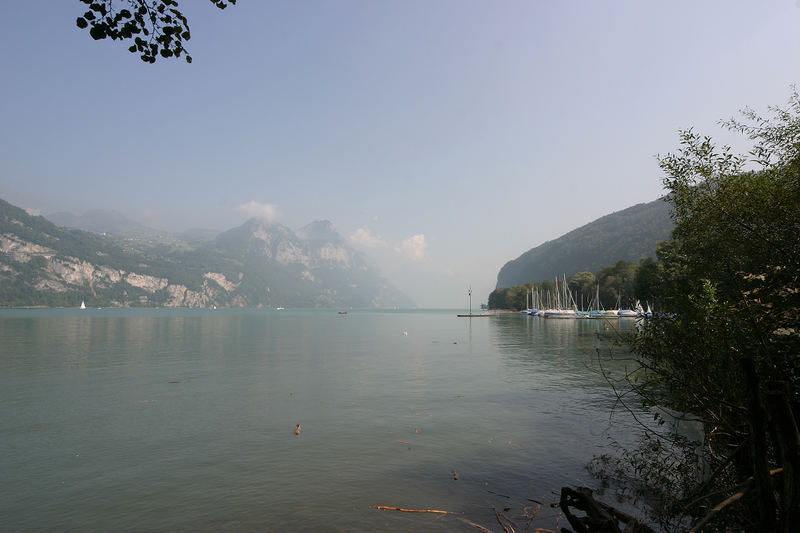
x=33 y=212
x=413 y=248
x=364 y=237
x=265 y=212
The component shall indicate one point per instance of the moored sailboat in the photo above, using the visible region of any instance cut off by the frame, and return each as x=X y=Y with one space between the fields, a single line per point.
x=563 y=308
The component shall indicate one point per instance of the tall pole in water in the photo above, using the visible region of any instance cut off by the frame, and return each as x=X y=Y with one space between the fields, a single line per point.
x=470 y=300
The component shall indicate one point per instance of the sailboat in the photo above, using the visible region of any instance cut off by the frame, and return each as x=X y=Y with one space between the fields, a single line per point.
x=563 y=308
x=595 y=309
x=631 y=313
x=83 y=305
x=531 y=308
x=606 y=313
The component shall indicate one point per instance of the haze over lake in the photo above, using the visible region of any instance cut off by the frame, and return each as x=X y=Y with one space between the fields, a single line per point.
x=179 y=420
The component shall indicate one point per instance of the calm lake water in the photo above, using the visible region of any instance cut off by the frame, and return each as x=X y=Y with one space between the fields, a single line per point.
x=183 y=420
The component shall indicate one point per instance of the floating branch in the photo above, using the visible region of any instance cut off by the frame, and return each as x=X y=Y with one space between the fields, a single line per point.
x=532 y=516
x=476 y=526
x=500 y=516
x=386 y=508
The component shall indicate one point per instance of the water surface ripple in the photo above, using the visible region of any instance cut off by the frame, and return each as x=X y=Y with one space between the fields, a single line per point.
x=183 y=420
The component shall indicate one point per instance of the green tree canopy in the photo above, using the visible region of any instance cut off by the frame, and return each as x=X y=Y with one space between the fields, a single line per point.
x=155 y=27
x=583 y=285
x=730 y=280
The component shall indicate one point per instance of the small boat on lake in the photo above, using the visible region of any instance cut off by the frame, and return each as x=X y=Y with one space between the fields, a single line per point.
x=637 y=311
x=560 y=313
x=565 y=304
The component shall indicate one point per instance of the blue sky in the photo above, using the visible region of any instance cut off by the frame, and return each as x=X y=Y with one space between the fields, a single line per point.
x=445 y=136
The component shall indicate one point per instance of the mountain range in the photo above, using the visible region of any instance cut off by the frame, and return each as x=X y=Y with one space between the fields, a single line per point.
x=120 y=263
x=630 y=234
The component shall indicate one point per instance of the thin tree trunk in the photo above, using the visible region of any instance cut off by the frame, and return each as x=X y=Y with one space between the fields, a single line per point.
x=765 y=497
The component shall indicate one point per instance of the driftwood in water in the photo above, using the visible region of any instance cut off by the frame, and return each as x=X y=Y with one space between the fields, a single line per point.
x=507 y=528
x=600 y=517
x=387 y=508
x=531 y=516
x=476 y=526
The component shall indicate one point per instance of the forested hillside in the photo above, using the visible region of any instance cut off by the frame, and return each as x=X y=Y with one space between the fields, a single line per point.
x=627 y=235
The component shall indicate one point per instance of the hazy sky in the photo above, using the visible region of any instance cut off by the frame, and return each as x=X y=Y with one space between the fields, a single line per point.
x=446 y=136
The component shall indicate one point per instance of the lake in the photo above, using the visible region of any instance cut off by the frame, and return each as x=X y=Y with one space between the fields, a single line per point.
x=184 y=420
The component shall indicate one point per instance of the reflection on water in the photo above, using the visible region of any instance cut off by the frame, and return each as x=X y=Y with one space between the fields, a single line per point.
x=179 y=420
x=558 y=352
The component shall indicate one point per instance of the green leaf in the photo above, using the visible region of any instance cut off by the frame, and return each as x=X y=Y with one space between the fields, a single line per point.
x=98 y=32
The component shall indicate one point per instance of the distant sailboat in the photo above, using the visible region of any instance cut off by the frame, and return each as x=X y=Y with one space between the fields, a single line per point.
x=563 y=307
x=83 y=305
x=631 y=313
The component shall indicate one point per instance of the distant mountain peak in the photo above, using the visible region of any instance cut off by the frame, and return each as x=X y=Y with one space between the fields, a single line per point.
x=257 y=264
x=257 y=222
x=319 y=230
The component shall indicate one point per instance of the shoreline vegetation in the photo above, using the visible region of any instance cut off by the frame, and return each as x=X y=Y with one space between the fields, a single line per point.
x=616 y=286
x=721 y=354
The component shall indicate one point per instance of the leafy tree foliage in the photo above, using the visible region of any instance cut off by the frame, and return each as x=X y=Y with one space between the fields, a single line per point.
x=729 y=279
x=647 y=281
x=617 y=283
x=157 y=27
x=582 y=284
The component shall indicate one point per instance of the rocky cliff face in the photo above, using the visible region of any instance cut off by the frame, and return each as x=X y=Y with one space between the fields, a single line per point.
x=74 y=275
x=256 y=264
x=311 y=267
